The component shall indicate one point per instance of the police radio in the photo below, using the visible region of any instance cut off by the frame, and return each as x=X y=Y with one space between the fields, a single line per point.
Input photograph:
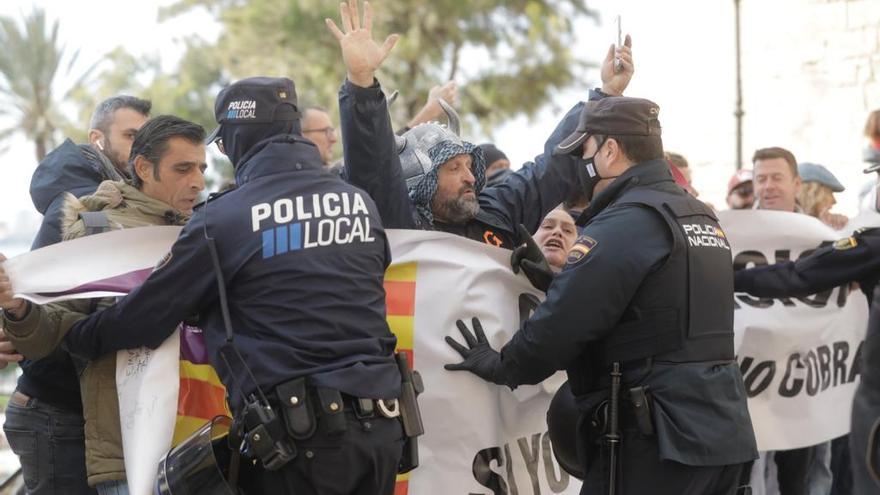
x=266 y=435
x=259 y=425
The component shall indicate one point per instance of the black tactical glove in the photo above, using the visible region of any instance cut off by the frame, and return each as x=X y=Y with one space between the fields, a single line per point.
x=530 y=259
x=479 y=357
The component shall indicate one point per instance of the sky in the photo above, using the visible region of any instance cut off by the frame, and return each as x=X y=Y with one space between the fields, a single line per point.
x=684 y=58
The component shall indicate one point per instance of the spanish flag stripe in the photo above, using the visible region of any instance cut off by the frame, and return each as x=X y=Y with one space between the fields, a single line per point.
x=201 y=399
x=203 y=372
x=400 y=294
x=400 y=297
x=402 y=327
x=403 y=272
x=401 y=486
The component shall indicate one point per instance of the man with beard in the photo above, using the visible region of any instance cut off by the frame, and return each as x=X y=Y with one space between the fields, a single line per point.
x=641 y=318
x=45 y=411
x=436 y=183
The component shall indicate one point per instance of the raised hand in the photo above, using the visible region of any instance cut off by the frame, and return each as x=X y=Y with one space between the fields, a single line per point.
x=361 y=54
x=615 y=82
x=448 y=92
x=432 y=110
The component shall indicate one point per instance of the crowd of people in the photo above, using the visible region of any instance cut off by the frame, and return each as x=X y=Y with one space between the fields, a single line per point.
x=309 y=318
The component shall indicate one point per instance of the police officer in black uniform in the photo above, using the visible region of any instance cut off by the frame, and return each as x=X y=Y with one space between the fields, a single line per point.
x=853 y=259
x=641 y=313
x=303 y=255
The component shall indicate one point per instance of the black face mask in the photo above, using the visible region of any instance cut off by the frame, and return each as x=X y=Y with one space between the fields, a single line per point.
x=589 y=175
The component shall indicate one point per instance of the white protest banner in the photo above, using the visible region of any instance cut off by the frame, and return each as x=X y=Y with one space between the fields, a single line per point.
x=147 y=382
x=111 y=264
x=480 y=438
x=865 y=219
x=798 y=355
x=107 y=264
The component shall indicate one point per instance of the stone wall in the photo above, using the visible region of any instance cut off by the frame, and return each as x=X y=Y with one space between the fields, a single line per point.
x=811 y=71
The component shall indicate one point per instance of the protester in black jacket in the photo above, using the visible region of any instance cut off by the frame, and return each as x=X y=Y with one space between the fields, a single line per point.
x=444 y=189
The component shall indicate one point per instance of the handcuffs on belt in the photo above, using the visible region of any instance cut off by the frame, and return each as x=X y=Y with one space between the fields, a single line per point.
x=389 y=412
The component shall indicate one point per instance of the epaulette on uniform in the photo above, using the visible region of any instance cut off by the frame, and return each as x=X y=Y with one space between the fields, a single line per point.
x=214 y=197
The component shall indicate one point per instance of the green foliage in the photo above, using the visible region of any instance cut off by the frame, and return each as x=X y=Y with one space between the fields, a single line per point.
x=187 y=92
x=277 y=38
x=30 y=60
x=517 y=52
x=523 y=49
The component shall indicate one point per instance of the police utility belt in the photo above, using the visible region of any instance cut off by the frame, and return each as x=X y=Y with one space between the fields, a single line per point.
x=303 y=406
x=271 y=433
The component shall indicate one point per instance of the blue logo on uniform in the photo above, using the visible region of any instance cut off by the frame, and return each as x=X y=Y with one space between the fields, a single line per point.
x=282 y=239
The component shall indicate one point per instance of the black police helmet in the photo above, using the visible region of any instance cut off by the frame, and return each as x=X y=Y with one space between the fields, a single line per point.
x=562 y=423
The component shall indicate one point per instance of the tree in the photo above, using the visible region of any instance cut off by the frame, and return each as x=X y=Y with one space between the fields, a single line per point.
x=523 y=47
x=29 y=62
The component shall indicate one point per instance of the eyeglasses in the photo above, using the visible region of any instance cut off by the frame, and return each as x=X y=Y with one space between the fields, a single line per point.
x=744 y=190
x=328 y=131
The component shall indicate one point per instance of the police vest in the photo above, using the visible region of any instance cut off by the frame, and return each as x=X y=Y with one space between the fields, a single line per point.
x=682 y=312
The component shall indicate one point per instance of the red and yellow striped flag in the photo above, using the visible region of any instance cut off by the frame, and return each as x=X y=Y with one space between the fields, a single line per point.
x=400 y=299
x=202 y=395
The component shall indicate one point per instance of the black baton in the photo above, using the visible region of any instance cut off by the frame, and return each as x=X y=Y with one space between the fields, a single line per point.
x=612 y=437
